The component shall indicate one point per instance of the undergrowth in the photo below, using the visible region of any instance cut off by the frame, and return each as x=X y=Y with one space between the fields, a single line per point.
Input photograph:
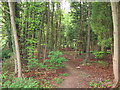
x=55 y=60
x=10 y=81
x=99 y=84
x=58 y=80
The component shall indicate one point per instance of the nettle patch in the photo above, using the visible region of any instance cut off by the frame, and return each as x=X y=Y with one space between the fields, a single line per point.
x=55 y=60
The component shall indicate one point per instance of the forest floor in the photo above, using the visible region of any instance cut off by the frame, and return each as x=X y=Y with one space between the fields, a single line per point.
x=97 y=74
x=81 y=75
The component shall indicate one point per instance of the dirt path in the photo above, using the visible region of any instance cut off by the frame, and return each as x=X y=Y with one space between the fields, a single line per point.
x=76 y=78
x=82 y=76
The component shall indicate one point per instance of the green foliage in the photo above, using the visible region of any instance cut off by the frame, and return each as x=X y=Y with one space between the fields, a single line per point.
x=4 y=76
x=33 y=63
x=99 y=84
x=102 y=52
x=64 y=74
x=58 y=80
x=6 y=54
x=101 y=13
x=8 y=81
x=20 y=83
x=108 y=52
x=55 y=60
x=95 y=85
x=98 y=55
x=46 y=84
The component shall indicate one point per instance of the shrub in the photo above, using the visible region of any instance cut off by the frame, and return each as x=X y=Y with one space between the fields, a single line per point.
x=6 y=54
x=95 y=85
x=98 y=55
x=33 y=63
x=55 y=60
x=20 y=83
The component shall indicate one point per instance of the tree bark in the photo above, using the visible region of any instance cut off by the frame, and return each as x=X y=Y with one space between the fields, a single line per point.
x=116 y=24
x=52 y=28
x=88 y=36
x=40 y=37
x=13 y=24
x=47 y=29
x=15 y=66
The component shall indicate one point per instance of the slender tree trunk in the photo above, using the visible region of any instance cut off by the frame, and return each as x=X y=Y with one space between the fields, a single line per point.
x=52 y=28
x=78 y=48
x=47 y=29
x=116 y=24
x=15 y=66
x=88 y=37
x=13 y=24
x=40 y=38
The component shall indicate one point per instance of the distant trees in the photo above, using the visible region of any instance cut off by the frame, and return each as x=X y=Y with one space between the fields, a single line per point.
x=79 y=15
x=101 y=24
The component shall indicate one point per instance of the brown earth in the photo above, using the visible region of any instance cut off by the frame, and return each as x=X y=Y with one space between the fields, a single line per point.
x=80 y=76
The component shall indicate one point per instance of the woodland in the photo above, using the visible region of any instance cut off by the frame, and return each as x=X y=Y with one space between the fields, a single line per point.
x=60 y=45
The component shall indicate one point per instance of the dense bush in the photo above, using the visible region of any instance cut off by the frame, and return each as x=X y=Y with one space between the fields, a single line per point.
x=33 y=63
x=99 y=54
x=55 y=60
x=6 y=54
x=8 y=81
x=20 y=83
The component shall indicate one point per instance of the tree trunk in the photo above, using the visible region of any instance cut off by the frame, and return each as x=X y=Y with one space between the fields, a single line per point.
x=52 y=28
x=47 y=29
x=13 y=24
x=40 y=38
x=88 y=37
x=78 y=38
x=15 y=66
x=116 y=24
